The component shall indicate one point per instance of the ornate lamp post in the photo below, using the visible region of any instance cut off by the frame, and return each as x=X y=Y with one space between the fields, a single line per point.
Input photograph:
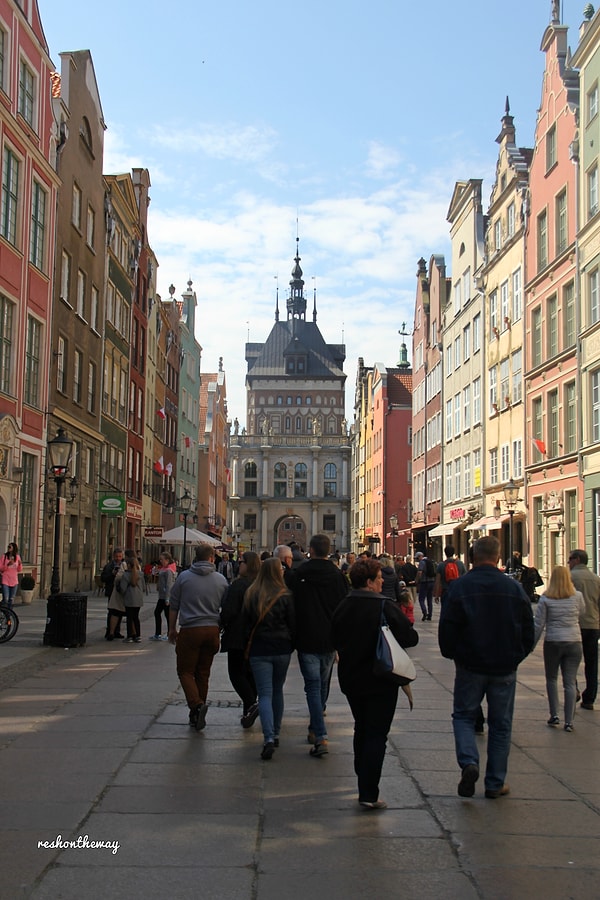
x=59 y=459
x=511 y=498
x=184 y=506
x=394 y=531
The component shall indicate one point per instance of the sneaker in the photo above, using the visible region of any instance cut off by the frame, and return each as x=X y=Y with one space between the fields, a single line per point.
x=310 y=737
x=320 y=748
x=155 y=637
x=553 y=720
x=268 y=750
x=569 y=726
x=201 y=716
x=250 y=717
x=128 y=640
x=163 y=637
x=502 y=792
x=466 y=785
x=373 y=804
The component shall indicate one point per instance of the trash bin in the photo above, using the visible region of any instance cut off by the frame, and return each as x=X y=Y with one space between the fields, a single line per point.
x=65 y=620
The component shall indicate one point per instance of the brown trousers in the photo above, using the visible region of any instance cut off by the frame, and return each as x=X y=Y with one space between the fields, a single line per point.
x=195 y=650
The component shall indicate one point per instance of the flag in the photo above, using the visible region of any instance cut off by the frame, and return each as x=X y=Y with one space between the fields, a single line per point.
x=540 y=445
x=161 y=412
x=159 y=466
x=228 y=474
x=187 y=440
x=169 y=469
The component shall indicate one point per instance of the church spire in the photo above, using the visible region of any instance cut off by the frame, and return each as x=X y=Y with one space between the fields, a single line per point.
x=296 y=302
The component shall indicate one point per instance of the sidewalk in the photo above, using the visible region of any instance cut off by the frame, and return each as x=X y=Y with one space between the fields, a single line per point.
x=96 y=743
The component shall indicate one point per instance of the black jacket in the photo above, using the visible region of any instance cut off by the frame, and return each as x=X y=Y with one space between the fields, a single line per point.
x=318 y=587
x=391 y=584
x=274 y=635
x=486 y=623
x=355 y=630
x=230 y=619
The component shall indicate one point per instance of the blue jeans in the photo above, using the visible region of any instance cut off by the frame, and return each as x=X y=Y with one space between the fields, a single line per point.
x=565 y=655
x=469 y=690
x=269 y=675
x=316 y=671
x=8 y=594
x=426 y=597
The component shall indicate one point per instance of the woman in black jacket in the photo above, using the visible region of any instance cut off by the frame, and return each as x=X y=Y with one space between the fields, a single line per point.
x=269 y=623
x=372 y=699
x=233 y=639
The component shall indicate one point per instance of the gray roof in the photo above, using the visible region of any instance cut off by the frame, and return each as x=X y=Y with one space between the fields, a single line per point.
x=295 y=336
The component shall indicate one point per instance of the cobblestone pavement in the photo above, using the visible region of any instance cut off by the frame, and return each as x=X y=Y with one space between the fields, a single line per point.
x=96 y=748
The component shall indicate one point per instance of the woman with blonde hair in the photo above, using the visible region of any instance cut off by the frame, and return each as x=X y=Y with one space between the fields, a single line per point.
x=269 y=625
x=558 y=611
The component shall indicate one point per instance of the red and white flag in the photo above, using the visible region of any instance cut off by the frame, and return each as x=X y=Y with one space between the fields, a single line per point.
x=169 y=469
x=161 y=412
x=540 y=445
x=159 y=466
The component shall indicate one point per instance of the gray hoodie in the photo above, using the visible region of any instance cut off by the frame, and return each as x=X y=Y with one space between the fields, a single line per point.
x=196 y=595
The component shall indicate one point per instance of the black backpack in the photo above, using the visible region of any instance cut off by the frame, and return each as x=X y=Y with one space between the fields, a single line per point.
x=429 y=568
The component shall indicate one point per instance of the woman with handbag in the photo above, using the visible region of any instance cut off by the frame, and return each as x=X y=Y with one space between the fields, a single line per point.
x=372 y=698
x=10 y=569
x=269 y=624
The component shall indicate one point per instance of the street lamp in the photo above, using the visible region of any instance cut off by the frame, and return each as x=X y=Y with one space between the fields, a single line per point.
x=394 y=530
x=59 y=458
x=184 y=506
x=511 y=496
x=237 y=535
x=251 y=533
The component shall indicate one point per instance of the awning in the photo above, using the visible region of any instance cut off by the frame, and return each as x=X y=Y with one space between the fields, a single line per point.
x=486 y=523
x=442 y=530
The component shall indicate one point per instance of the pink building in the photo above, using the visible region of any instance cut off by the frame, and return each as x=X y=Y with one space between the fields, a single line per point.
x=553 y=485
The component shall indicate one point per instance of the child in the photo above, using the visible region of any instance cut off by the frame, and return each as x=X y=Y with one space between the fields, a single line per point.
x=406 y=604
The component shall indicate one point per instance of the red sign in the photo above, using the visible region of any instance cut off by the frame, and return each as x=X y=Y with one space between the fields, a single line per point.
x=457 y=513
x=153 y=531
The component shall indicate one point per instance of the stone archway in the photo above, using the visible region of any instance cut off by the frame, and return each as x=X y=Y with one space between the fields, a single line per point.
x=291 y=528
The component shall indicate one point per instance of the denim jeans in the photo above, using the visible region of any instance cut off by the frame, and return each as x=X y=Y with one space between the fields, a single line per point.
x=469 y=690
x=9 y=592
x=316 y=670
x=567 y=656
x=269 y=674
x=589 y=640
x=426 y=597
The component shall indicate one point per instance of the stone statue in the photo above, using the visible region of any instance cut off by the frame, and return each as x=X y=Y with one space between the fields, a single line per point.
x=236 y=426
x=555 y=12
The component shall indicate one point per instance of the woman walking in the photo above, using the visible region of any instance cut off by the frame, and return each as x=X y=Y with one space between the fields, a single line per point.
x=10 y=569
x=166 y=576
x=269 y=625
x=232 y=638
x=372 y=699
x=558 y=611
x=131 y=587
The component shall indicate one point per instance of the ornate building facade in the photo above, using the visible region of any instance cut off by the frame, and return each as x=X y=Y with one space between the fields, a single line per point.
x=290 y=469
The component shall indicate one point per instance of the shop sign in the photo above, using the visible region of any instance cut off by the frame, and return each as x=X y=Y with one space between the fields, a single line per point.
x=112 y=504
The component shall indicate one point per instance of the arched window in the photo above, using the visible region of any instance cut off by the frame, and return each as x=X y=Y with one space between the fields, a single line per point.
x=298 y=424
x=280 y=480
x=250 y=480
x=300 y=480
x=330 y=480
x=288 y=423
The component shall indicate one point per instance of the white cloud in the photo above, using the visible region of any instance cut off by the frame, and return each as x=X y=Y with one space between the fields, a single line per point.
x=382 y=161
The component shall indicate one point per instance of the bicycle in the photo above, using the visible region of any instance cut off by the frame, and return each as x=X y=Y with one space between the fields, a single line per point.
x=9 y=623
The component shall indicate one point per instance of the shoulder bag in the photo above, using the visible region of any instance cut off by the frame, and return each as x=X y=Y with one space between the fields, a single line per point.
x=391 y=660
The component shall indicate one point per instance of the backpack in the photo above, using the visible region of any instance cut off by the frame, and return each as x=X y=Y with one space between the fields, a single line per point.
x=429 y=568
x=451 y=571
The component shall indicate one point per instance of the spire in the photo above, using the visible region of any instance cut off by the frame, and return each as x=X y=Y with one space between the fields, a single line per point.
x=296 y=302
x=403 y=362
x=277 y=299
x=508 y=127
x=314 y=299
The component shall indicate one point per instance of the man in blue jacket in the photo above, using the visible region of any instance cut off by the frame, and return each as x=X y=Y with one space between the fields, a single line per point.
x=486 y=627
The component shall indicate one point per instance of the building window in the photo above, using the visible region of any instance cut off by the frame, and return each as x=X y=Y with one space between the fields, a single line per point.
x=494 y=466
x=594 y=297
x=477 y=333
x=300 y=480
x=466 y=342
x=537 y=418
x=497 y=234
x=91 y=227
x=280 y=480
x=61 y=368
x=493 y=315
x=504 y=309
x=6 y=336
x=517 y=296
x=457 y=479
x=571 y=524
x=570 y=335
x=517 y=375
x=551 y=147
x=76 y=206
x=457 y=353
x=330 y=482
x=250 y=522
x=596 y=406
x=65 y=277
x=552 y=326
x=561 y=223
x=493 y=397
x=91 y=400
x=37 y=238
x=32 y=362
x=26 y=93
x=457 y=297
x=542 y=240
x=27 y=496
x=448 y=420
x=10 y=196
x=94 y=297
x=504 y=462
x=457 y=415
x=3 y=54
x=504 y=384
x=592 y=193
x=81 y=294
x=592 y=112
x=467 y=407
x=510 y=220
x=250 y=480
x=536 y=336
x=468 y=486
x=77 y=373
x=477 y=401
x=449 y=483
x=517 y=447
x=570 y=420
x=329 y=522
x=553 y=423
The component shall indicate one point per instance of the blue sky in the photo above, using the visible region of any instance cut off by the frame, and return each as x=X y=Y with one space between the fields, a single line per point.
x=353 y=119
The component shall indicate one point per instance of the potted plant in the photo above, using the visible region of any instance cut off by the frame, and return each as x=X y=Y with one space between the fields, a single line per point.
x=27 y=587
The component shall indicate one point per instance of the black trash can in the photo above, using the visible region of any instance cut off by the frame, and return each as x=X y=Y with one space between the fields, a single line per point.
x=66 y=620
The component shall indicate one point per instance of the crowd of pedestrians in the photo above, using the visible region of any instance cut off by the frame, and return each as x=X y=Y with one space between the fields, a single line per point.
x=259 y=610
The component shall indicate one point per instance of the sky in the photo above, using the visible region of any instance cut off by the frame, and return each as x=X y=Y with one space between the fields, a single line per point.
x=345 y=124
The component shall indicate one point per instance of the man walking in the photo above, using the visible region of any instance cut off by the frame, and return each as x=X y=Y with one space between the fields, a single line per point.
x=425 y=580
x=196 y=599
x=318 y=586
x=447 y=571
x=589 y=584
x=486 y=627
x=284 y=553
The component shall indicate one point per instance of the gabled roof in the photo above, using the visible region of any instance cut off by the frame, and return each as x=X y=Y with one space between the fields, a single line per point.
x=291 y=337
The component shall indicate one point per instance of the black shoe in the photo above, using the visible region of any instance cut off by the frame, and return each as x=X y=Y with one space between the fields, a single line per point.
x=466 y=785
x=119 y=636
x=553 y=720
x=201 y=716
x=424 y=619
x=276 y=742
x=429 y=618
x=268 y=750
x=586 y=705
x=250 y=717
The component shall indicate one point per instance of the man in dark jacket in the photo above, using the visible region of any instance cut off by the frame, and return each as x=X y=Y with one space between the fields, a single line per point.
x=486 y=627
x=318 y=587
